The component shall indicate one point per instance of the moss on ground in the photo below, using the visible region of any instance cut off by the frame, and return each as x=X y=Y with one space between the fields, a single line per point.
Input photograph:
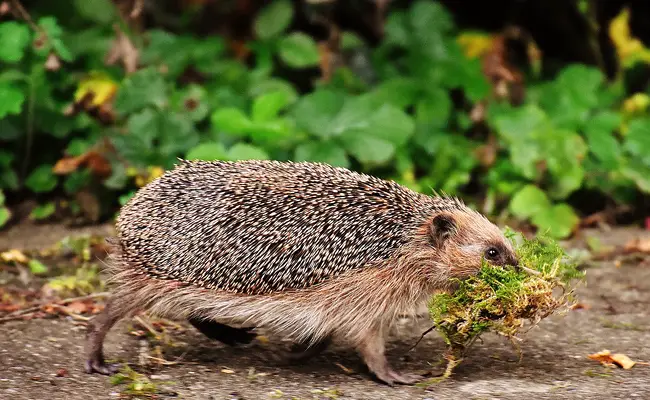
x=501 y=299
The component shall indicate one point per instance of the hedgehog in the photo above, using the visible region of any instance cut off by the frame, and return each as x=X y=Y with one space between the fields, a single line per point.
x=308 y=251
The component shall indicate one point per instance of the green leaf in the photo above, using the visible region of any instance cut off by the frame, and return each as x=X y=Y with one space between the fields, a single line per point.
x=141 y=89
x=267 y=106
x=15 y=37
x=207 y=152
x=123 y=199
x=2 y=198
x=368 y=149
x=100 y=11
x=192 y=100
x=43 y=211
x=243 y=151
x=426 y=16
x=54 y=41
x=36 y=267
x=599 y=131
x=637 y=140
x=11 y=99
x=325 y=152
x=41 y=180
x=639 y=174
x=557 y=221
x=517 y=124
x=400 y=91
x=355 y=114
x=529 y=201
x=231 y=120
x=76 y=181
x=299 y=50
x=269 y=85
x=391 y=124
x=563 y=152
x=350 y=40
x=434 y=109
x=397 y=32
x=5 y=215
x=316 y=111
x=273 y=19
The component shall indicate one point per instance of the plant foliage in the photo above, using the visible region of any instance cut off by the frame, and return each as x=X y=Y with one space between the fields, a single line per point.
x=88 y=108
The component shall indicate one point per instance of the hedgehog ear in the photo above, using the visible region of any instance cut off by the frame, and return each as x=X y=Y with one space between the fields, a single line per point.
x=442 y=228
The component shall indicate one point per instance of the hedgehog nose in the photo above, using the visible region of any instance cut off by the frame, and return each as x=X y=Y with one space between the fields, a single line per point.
x=514 y=263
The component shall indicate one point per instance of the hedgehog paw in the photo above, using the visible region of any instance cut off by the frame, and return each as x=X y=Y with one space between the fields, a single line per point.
x=98 y=365
x=391 y=377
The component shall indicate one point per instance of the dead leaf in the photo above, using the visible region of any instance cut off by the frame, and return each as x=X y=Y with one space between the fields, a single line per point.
x=605 y=357
x=92 y=159
x=580 y=306
x=14 y=255
x=227 y=371
x=78 y=307
x=5 y=8
x=62 y=372
x=638 y=245
x=123 y=51
x=344 y=368
x=52 y=63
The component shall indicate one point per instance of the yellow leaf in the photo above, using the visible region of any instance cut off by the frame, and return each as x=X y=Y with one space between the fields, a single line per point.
x=628 y=48
x=638 y=102
x=475 y=44
x=99 y=86
x=607 y=358
x=15 y=256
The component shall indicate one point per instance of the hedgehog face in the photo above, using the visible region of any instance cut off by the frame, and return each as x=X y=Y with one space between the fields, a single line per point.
x=463 y=239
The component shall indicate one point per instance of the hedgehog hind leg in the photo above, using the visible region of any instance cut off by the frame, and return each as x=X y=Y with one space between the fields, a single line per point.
x=98 y=327
x=223 y=333
x=303 y=351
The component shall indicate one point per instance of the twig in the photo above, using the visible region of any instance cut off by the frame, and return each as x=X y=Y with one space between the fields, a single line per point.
x=147 y=326
x=20 y=313
x=422 y=337
x=530 y=271
x=19 y=11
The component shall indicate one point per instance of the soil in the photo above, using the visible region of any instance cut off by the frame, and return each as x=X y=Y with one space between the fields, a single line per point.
x=554 y=363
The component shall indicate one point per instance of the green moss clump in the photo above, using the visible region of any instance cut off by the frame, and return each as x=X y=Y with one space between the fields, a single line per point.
x=499 y=299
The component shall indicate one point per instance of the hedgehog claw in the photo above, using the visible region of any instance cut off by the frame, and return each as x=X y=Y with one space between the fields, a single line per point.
x=99 y=366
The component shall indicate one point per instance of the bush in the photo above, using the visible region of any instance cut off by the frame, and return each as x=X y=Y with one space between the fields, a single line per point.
x=72 y=120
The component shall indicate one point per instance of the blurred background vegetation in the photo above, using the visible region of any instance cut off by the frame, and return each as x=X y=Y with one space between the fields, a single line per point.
x=533 y=111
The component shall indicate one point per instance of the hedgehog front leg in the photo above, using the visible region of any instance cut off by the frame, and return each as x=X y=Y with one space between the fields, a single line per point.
x=372 y=350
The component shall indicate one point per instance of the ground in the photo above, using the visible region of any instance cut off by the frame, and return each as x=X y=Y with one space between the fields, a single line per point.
x=554 y=363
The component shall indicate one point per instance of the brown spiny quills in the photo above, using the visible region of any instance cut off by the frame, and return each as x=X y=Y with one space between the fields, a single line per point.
x=306 y=250
x=259 y=227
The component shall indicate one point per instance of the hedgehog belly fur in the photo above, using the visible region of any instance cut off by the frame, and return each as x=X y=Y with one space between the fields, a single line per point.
x=348 y=307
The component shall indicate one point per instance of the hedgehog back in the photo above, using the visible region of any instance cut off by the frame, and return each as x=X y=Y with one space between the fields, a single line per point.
x=260 y=227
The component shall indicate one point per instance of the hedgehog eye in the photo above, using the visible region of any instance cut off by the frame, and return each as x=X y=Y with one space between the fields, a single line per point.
x=492 y=254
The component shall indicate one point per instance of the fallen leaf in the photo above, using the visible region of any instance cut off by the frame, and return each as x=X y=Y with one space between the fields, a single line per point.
x=580 y=306
x=5 y=8
x=14 y=255
x=638 y=245
x=62 y=372
x=344 y=368
x=227 y=371
x=78 y=307
x=607 y=358
x=123 y=50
